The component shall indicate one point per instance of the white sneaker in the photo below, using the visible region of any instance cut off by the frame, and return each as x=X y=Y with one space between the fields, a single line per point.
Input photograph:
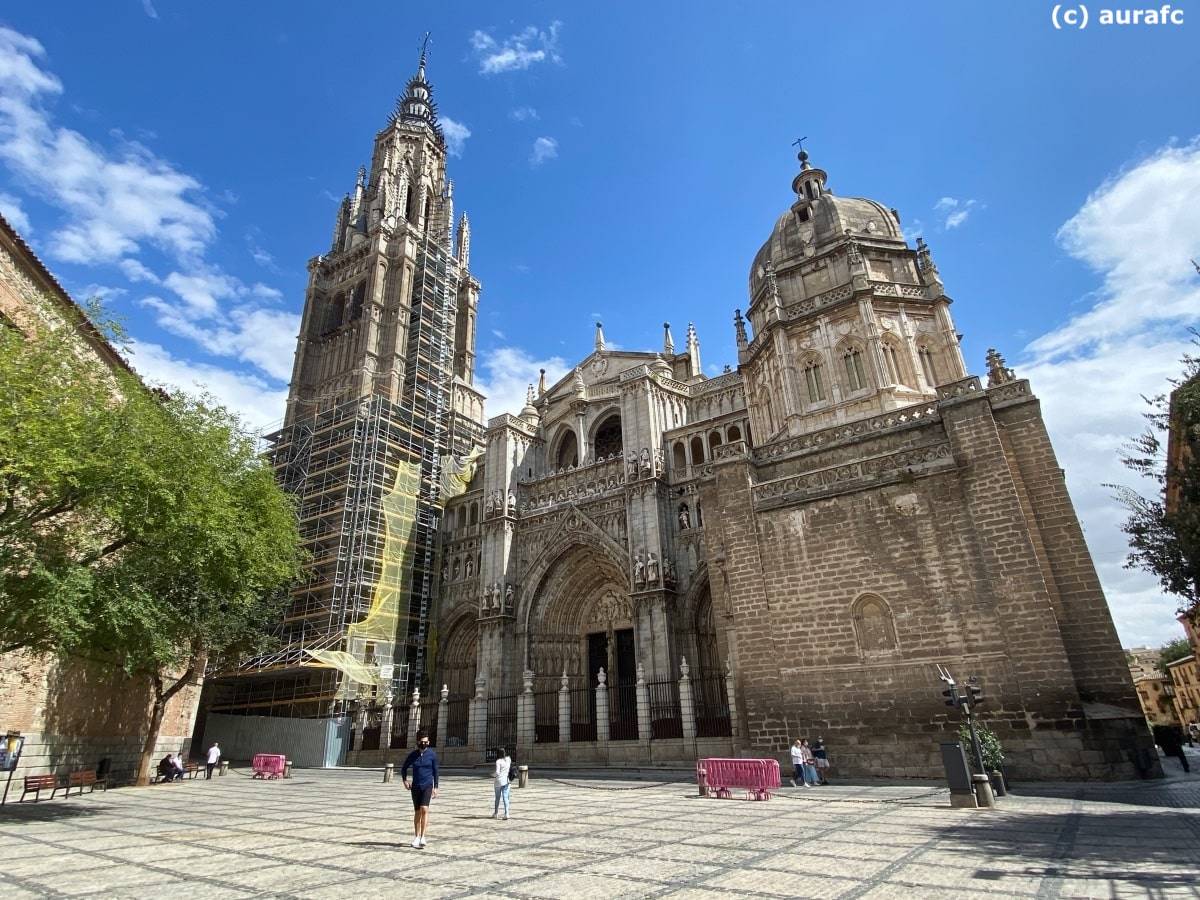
x=506 y=817
x=422 y=843
x=416 y=843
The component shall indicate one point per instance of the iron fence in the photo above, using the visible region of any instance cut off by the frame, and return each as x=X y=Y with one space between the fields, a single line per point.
x=429 y=719
x=622 y=712
x=545 y=717
x=583 y=714
x=712 y=706
x=502 y=721
x=666 y=720
x=458 y=718
x=399 y=727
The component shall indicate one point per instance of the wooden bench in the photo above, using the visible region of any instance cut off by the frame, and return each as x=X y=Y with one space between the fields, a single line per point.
x=192 y=769
x=85 y=778
x=35 y=784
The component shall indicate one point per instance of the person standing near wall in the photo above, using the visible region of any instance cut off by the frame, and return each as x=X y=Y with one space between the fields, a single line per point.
x=501 y=782
x=214 y=757
x=423 y=785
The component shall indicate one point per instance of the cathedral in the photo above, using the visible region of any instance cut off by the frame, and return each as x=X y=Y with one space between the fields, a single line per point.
x=648 y=563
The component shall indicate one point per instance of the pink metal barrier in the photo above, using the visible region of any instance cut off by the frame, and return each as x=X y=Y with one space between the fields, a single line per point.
x=757 y=776
x=269 y=765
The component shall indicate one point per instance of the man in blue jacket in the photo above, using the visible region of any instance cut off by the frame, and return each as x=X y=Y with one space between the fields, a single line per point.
x=423 y=785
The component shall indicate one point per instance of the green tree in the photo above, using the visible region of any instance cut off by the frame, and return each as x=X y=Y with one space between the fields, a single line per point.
x=1172 y=651
x=989 y=745
x=135 y=529
x=1164 y=538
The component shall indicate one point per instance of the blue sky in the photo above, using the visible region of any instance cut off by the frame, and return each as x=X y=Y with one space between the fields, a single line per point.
x=625 y=162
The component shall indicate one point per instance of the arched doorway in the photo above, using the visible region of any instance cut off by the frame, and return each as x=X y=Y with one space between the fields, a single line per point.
x=458 y=668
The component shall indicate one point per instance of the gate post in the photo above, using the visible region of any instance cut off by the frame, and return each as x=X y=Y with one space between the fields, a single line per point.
x=731 y=701
x=601 y=708
x=687 y=706
x=443 y=716
x=360 y=723
x=414 y=717
x=643 y=707
x=564 y=710
x=385 y=723
x=477 y=722
x=526 y=727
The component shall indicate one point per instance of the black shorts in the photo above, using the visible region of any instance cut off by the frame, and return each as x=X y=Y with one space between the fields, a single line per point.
x=421 y=796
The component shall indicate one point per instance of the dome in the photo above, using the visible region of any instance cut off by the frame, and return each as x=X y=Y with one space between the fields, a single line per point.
x=818 y=219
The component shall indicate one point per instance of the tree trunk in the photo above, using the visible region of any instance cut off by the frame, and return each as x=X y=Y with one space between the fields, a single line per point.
x=158 y=710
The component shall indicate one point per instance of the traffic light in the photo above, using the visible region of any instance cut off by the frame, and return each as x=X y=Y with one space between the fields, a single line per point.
x=951 y=695
x=976 y=694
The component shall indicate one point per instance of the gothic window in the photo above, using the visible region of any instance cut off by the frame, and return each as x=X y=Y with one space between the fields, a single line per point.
x=454 y=572
x=697 y=450
x=735 y=433
x=356 y=304
x=856 y=375
x=474 y=515
x=814 y=380
x=874 y=627
x=568 y=452
x=927 y=364
x=678 y=456
x=892 y=362
x=714 y=441
x=411 y=212
x=337 y=309
x=608 y=438
x=699 y=515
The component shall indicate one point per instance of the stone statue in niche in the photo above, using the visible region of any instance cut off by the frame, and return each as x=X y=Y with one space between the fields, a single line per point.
x=633 y=463
x=470 y=567
x=668 y=571
x=512 y=503
x=652 y=568
x=639 y=570
x=685 y=517
x=659 y=461
x=508 y=598
x=489 y=505
x=456 y=570
x=645 y=462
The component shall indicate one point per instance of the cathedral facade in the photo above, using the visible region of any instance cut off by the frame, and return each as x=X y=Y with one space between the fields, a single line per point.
x=816 y=531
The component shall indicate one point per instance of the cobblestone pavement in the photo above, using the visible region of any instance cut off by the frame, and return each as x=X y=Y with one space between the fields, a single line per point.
x=345 y=834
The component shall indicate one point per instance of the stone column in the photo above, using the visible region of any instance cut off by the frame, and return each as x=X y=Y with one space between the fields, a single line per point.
x=385 y=723
x=443 y=716
x=564 y=710
x=643 y=707
x=730 y=699
x=526 y=727
x=687 y=707
x=414 y=717
x=477 y=721
x=360 y=722
x=601 y=708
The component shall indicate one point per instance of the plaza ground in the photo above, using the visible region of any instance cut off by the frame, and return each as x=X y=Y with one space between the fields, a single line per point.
x=343 y=833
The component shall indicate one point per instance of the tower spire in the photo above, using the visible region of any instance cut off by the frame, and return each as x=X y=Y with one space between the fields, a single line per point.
x=415 y=105
x=668 y=341
x=599 y=335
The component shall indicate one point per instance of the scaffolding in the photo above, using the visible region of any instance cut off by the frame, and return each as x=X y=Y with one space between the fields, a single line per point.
x=341 y=465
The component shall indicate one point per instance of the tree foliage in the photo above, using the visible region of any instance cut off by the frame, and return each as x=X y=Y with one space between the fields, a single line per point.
x=135 y=528
x=989 y=745
x=1172 y=651
x=1164 y=537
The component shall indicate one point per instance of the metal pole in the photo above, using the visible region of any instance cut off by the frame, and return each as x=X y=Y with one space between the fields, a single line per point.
x=13 y=759
x=974 y=738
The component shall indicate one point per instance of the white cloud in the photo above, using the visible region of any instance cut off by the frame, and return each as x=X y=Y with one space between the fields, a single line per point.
x=544 y=148
x=11 y=209
x=517 y=51
x=258 y=289
x=505 y=374
x=114 y=201
x=456 y=135
x=148 y=8
x=135 y=271
x=257 y=402
x=953 y=212
x=102 y=292
x=524 y=114
x=202 y=290
x=1137 y=231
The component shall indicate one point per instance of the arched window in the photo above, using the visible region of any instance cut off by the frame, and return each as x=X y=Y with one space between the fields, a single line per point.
x=568 y=452
x=410 y=212
x=928 y=366
x=474 y=514
x=356 y=304
x=337 y=310
x=814 y=380
x=678 y=456
x=714 y=441
x=699 y=515
x=891 y=362
x=735 y=433
x=856 y=374
x=874 y=628
x=697 y=450
x=608 y=438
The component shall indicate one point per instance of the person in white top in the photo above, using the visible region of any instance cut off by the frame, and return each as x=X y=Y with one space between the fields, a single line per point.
x=214 y=756
x=798 y=764
x=503 y=767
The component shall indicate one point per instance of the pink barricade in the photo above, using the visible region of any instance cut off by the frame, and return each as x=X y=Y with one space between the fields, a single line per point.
x=269 y=765
x=757 y=776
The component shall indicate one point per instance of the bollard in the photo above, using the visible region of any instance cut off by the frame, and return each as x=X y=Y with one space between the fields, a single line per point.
x=522 y=776
x=983 y=792
x=224 y=767
x=287 y=768
x=998 y=786
x=702 y=781
x=389 y=772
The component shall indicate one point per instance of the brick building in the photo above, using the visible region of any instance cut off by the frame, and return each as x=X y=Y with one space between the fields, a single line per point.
x=1185 y=678
x=72 y=712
